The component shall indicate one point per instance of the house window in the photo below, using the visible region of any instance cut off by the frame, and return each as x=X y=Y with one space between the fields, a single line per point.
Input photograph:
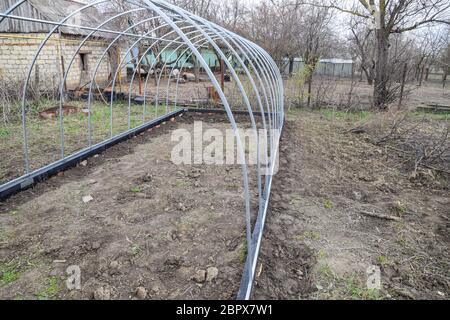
x=84 y=61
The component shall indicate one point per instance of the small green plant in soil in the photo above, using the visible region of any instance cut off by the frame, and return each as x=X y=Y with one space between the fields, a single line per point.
x=50 y=290
x=400 y=208
x=136 y=190
x=313 y=235
x=243 y=252
x=357 y=292
x=382 y=260
x=4 y=132
x=9 y=273
x=321 y=254
x=353 y=116
x=328 y=204
x=136 y=250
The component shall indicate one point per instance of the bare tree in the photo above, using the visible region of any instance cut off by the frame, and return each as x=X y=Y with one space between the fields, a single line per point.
x=276 y=27
x=363 y=44
x=232 y=14
x=203 y=8
x=390 y=17
x=443 y=60
x=315 y=35
x=430 y=43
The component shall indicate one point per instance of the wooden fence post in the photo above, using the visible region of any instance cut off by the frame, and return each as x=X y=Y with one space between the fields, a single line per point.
x=402 y=89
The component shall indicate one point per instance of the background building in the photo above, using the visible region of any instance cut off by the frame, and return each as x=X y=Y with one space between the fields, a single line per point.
x=20 y=40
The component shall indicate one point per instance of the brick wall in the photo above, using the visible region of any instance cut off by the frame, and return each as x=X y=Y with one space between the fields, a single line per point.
x=18 y=50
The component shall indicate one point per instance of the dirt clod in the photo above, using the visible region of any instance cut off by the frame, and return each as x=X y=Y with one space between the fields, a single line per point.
x=141 y=293
x=87 y=199
x=211 y=274
x=96 y=245
x=114 y=267
x=182 y=207
x=102 y=293
x=200 y=276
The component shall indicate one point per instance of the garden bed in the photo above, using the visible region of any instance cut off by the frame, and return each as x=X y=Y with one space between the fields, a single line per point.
x=152 y=229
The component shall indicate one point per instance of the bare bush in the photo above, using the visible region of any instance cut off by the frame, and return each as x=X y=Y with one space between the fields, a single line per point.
x=11 y=91
x=421 y=145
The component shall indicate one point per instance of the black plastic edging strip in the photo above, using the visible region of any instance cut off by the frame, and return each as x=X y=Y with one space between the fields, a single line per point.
x=235 y=112
x=26 y=181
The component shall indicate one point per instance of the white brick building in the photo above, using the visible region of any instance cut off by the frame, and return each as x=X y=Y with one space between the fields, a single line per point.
x=20 y=40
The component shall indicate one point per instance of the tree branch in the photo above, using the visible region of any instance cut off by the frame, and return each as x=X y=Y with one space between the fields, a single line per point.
x=335 y=7
x=418 y=24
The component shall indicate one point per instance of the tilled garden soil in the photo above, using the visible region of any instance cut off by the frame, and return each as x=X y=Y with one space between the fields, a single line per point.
x=341 y=206
x=152 y=229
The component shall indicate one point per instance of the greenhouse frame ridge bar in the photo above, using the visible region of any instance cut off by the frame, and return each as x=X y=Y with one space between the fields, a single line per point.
x=129 y=70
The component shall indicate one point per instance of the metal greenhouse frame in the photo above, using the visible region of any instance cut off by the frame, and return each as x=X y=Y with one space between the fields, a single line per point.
x=251 y=69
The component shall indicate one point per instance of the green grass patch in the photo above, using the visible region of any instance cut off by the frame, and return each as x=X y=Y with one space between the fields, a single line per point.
x=6 y=235
x=243 y=253
x=382 y=260
x=321 y=254
x=4 y=132
x=180 y=184
x=401 y=240
x=348 y=287
x=358 y=292
x=44 y=135
x=430 y=115
x=326 y=272
x=51 y=289
x=136 y=190
x=353 y=116
x=328 y=204
x=135 y=250
x=400 y=208
x=9 y=273
x=312 y=235
x=10 y=276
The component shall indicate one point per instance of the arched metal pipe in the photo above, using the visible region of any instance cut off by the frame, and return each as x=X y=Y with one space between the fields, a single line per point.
x=66 y=73
x=227 y=108
x=41 y=46
x=255 y=75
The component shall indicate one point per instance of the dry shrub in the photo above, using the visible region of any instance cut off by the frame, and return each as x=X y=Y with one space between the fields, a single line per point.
x=420 y=143
x=11 y=91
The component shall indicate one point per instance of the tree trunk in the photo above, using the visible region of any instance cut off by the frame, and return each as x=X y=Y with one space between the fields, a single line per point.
x=311 y=68
x=113 y=61
x=368 y=76
x=402 y=88
x=309 y=90
x=444 y=77
x=196 y=70
x=381 y=93
x=421 y=76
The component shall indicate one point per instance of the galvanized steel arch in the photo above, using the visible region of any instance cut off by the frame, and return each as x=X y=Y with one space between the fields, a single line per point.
x=246 y=61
